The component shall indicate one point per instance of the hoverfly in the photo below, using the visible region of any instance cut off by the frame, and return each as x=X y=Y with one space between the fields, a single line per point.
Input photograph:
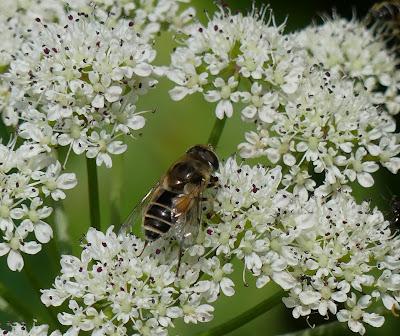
x=174 y=203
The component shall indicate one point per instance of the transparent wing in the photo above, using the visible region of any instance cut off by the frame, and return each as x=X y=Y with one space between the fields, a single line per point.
x=188 y=224
x=136 y=213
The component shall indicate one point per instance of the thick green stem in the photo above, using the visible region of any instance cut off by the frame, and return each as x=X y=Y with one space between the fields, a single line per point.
x=116 y=187
x=216 y=132
x=245 y=317
x=4 y=134
x=328 y=329
x=93 y=191
x=16 y=305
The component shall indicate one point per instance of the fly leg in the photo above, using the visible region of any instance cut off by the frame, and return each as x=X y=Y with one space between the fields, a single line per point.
x=179 y=259
x=213 y=182
x=144 y=247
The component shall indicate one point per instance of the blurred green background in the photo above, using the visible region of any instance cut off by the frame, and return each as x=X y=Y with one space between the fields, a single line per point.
x=169 y=132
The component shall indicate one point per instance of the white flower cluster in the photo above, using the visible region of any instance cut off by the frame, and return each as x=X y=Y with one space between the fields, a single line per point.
x=18 y=329
x=344 y=258
x=116 y=287
x=27 y=176
x=77 y=84
x=357 y=52
x=232 y=50
x=332 y=256
x=328 y=124
x=311 y=109
x=149 y=16
x=16 y=19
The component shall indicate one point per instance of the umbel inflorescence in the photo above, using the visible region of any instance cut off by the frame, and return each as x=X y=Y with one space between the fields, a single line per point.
x=321 y=101
x=315 y=96
x=76 y=85
x=66 y=80
x=332 y=256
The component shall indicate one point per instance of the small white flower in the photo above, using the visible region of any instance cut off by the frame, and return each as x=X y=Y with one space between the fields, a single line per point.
x=13 y=246
x=355 y=314
x=224 y=97
x=359 y=169
x=101 y=145
x=54 y=182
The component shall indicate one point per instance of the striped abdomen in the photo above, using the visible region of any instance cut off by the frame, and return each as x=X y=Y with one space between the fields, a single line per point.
x=158 y=217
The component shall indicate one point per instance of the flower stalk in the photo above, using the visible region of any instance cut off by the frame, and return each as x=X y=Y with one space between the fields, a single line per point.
x=327 y=329
x=216 y=132
x=245 y=317
x=93 y=191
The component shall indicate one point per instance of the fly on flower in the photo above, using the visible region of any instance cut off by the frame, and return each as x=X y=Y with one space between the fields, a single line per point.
x=174 y=202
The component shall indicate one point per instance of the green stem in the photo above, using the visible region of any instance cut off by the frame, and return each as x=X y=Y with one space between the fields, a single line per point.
x=115 y=193
x=327 y=329
x=216 y=132
x=4 y=133
x=93 y=191
x=245 y=317
x=16 y=305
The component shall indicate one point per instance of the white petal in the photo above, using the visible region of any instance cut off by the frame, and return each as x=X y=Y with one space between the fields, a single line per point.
x=15 y=261
x=136 y=122
x=365 y=179
x=370 y=167
x=174 y=312
x=57 y=195
x=113 y=93
x=227 y=286
x=178 y=93
x=104 y=158
x=117 y=147
x=43 y=232
x=224 y=107
x=262 y=281
x=98 y=101
x=356 y=326
x=31 y=247
x=289 y=159
x=309 y=297
x=212 y=96
x=343 y=315
x=4 y=249
x=67 y=181
x=323 y=308
x=373 y=319
x=339 y=296
x=143 y=69
x=17 y=213
x=249 y=112
x=284 y=279
x=393 y=165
